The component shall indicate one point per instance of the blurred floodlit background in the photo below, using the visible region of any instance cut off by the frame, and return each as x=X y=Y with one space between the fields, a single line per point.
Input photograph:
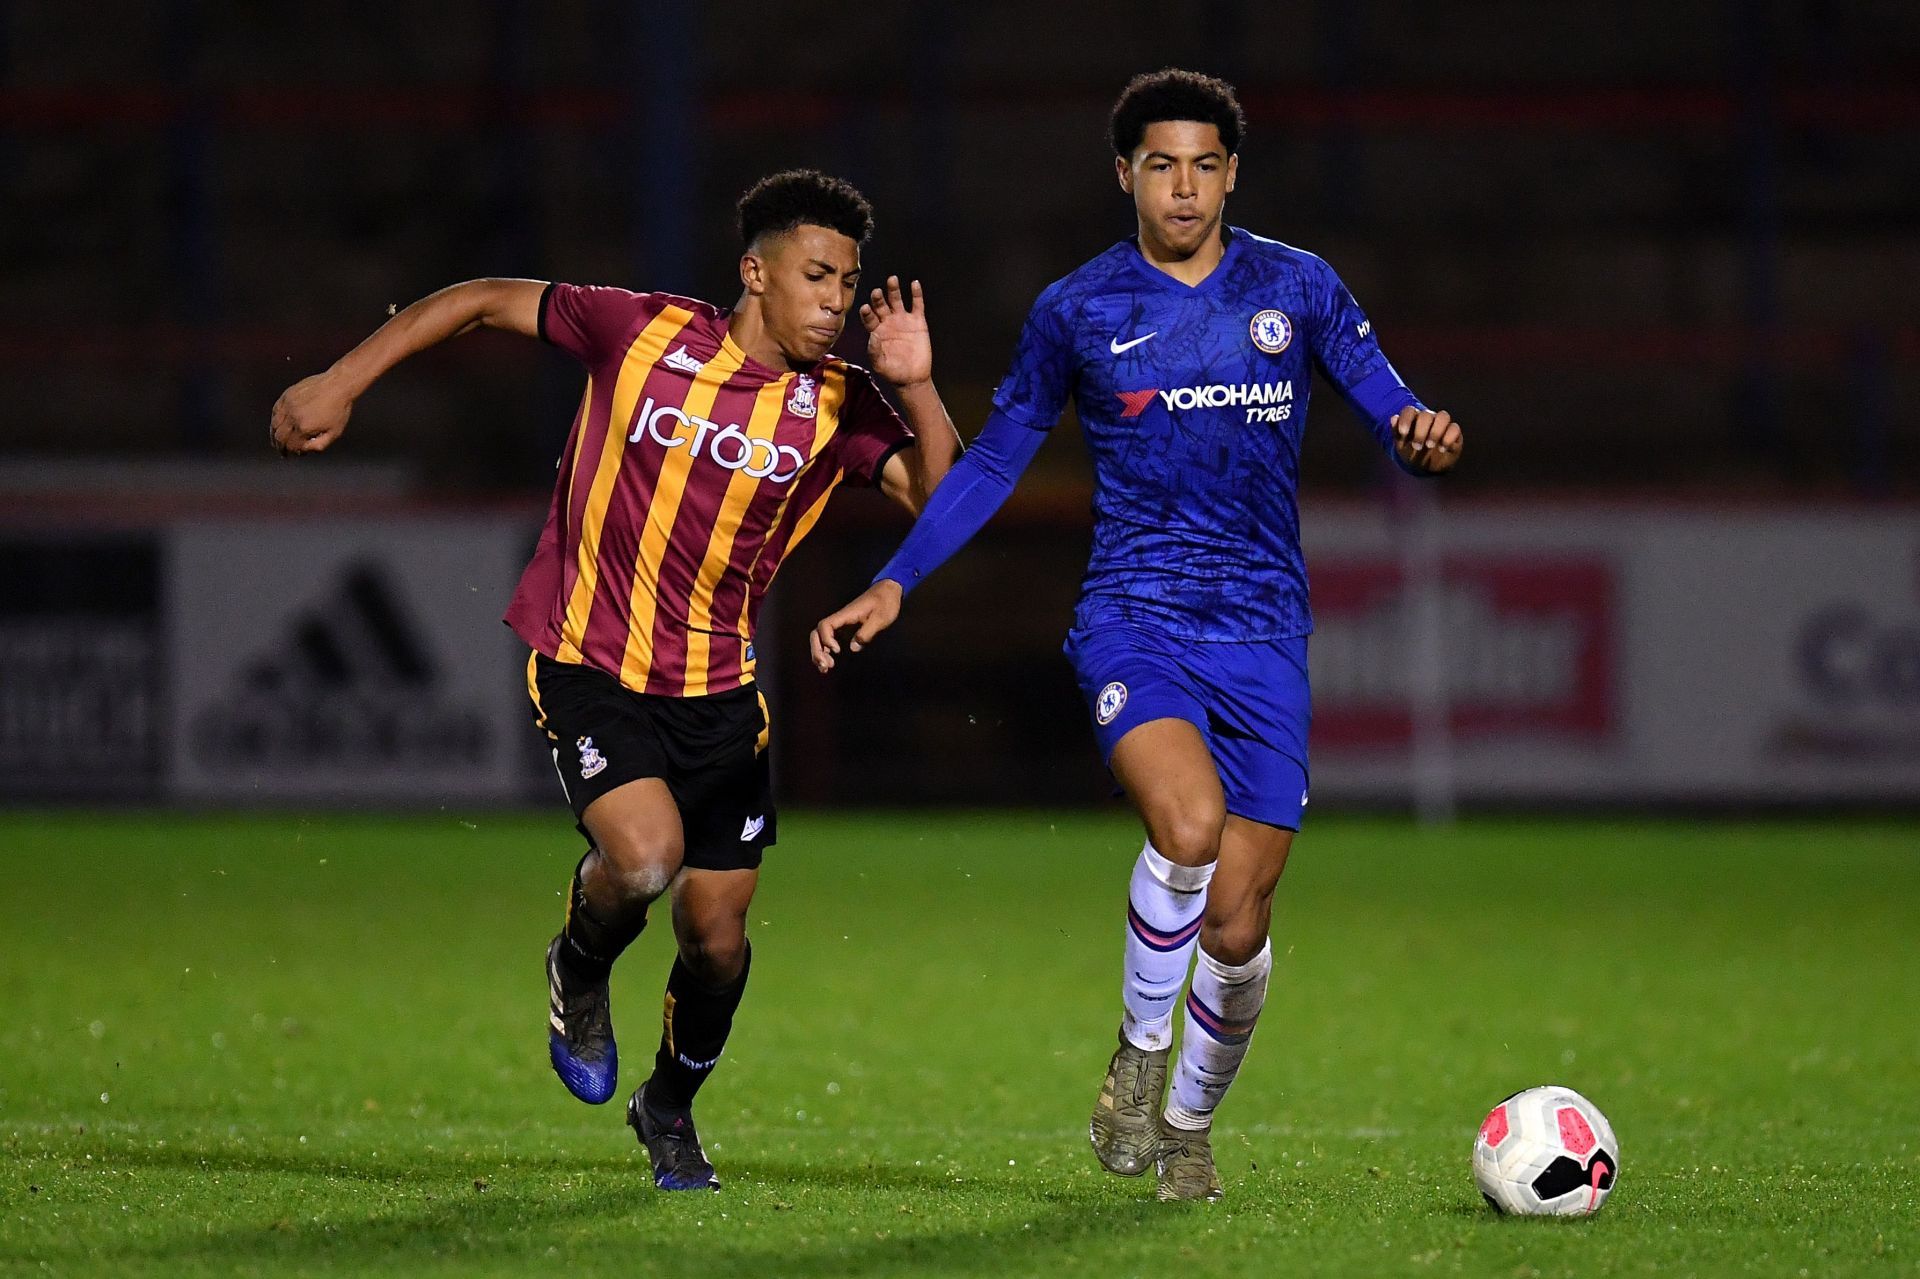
x=1656 y=257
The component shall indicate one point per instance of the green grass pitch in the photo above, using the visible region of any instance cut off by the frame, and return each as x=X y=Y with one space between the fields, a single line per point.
x=277 y=1045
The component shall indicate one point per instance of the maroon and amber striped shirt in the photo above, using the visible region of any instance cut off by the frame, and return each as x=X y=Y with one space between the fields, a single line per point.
x=690 y=474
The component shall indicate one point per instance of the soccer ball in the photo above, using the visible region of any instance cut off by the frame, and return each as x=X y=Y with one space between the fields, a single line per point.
x=1546 y=1152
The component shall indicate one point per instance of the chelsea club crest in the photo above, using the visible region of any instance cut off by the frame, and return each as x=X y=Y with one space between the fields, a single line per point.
x=802 y=402
x=1271 y=331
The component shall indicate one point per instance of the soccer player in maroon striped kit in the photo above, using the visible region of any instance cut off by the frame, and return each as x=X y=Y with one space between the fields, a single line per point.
x=706 y=446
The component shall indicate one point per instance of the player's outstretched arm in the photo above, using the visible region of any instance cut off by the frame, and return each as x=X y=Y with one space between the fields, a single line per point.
x=960 y=507
x=877 y=608
x=1426 y=440
x=1026 y=407
x=900 y=348
x=311 y=414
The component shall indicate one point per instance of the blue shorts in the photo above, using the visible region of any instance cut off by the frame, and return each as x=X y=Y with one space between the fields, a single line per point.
x=1249 y=701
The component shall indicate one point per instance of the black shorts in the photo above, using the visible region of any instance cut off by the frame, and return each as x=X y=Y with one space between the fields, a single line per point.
x=710 y=751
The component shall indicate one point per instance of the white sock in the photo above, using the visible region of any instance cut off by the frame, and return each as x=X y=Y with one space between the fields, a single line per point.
x=1164 y=904
x=1222 y=1008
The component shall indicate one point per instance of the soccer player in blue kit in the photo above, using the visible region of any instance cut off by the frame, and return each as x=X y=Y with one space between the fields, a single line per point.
x=1188 y=351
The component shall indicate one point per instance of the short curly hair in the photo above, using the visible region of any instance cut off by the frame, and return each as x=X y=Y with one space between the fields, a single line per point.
x=1172 y=94
x=803 y=197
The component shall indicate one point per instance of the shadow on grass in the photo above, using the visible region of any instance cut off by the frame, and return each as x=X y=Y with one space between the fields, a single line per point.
x=418 y=1167
x=979 y=1225
x=424 y=1168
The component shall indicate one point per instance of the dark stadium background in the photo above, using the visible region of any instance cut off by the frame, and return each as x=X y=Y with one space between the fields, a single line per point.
x=280 y=851
x=1658 y=258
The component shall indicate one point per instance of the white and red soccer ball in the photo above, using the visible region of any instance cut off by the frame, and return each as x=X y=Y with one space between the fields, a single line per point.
x=1546 y=1152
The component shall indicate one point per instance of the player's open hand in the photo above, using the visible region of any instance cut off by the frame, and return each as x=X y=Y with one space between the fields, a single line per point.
x=898 y=344
x=872 y=613
x=1427 y=440
x=308 y=416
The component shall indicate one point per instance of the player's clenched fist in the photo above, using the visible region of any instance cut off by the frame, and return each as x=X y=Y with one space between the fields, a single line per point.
x=1426 y=439
x=872 y=613
x=309 y=415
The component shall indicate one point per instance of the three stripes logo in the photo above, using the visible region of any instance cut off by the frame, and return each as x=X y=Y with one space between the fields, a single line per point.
x=350 y=681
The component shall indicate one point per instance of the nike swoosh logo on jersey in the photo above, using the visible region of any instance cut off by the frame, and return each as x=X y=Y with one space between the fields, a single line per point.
x=1115 y=345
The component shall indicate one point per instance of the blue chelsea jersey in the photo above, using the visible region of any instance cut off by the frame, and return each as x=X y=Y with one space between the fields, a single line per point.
x=1193 y=400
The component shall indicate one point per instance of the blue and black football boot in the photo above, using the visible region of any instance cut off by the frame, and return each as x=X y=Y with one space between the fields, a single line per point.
x=580 y=1032
x=672 y=1145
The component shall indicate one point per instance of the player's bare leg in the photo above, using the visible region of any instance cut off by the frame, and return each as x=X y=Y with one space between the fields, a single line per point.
x=637 y=852
x=703 y=992
x=1229 y=988
x=1165 y=768
x=1240 y=901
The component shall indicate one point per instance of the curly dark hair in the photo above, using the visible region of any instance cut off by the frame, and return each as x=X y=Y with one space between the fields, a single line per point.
x=803 y=197
x=1172 y=94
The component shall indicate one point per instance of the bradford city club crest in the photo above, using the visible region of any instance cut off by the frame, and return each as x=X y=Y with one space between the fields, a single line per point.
x=1271 y=331
x=801 y=403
